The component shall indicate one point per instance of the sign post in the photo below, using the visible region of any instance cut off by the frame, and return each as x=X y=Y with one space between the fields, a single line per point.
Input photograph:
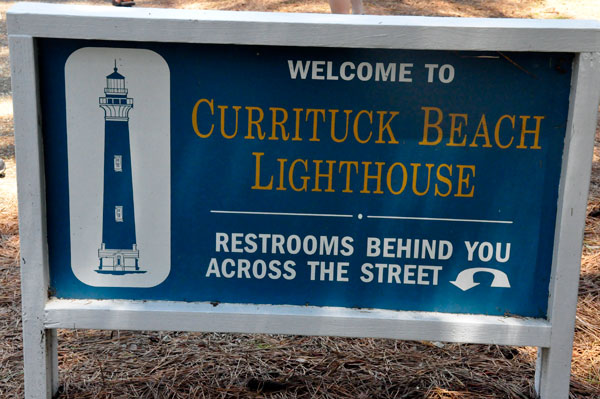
x=407 y=178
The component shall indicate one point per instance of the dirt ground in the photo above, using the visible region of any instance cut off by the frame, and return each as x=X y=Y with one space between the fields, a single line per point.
x=124 y=364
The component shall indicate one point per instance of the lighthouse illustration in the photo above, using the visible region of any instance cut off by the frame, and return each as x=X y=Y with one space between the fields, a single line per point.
x=118 y=253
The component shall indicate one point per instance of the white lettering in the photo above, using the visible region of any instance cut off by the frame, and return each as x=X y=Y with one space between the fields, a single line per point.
x=298 y=67
x=317 y=70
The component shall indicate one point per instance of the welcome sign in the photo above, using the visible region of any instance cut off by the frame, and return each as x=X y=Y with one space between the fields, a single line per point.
x=361 y=178
x=358 y=176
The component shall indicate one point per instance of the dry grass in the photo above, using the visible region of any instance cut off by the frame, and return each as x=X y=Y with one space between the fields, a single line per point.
x=105 y=364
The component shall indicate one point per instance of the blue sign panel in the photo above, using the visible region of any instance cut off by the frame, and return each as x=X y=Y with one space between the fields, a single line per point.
x=359 y=178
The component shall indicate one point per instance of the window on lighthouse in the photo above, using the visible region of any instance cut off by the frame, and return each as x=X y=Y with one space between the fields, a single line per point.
x=118 y=163
x=118 y=213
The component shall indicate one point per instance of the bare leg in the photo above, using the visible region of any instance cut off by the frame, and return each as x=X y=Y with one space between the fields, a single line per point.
x=340 y=6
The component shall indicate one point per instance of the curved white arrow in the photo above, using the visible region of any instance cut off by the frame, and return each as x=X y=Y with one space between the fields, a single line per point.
x=465 y=281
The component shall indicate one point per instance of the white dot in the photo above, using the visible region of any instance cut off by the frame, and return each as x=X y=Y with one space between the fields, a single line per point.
x=360 y=215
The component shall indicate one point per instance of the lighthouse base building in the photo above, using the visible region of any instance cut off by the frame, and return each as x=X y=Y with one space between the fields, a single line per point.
x=119 y=261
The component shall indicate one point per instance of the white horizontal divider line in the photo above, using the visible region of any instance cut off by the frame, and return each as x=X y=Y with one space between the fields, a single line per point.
x=331 y=215
x=440 y=219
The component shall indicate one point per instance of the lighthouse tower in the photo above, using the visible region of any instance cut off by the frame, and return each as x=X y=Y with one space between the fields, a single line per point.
x=118 y=253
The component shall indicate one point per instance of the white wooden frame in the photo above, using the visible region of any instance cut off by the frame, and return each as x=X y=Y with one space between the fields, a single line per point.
x=43 y=315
